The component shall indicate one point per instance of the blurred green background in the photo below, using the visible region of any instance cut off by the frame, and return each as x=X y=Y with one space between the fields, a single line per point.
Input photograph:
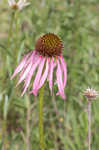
x=76 y=22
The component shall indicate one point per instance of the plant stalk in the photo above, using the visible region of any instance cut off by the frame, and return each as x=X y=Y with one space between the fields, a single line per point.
x=11 y=29
x=16 y=36
x=28 y=128
x=41 y=132
x=89 y=124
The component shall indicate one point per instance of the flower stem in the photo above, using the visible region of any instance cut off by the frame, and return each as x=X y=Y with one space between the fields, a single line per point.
x=89 y=124
x=16 y=35
x=28 y=127
x=11 y=28
x=42 y=144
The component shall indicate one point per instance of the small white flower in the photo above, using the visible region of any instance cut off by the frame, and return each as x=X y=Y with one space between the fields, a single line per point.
x=90 y=93
x=18 y=5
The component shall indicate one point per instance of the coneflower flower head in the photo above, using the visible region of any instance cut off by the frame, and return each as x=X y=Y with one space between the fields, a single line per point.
x=46 y=58
x=90 y=93
x=18 y=5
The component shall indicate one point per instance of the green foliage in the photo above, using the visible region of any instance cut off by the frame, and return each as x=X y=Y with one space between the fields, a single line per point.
x=65 y=123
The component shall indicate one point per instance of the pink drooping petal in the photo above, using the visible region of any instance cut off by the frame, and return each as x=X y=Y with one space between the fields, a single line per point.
x=37 y=78
x=30 y=75
x=29 y=59
x=26 y=68
x=21 y=65
x=33 y=56
x=51 y=74
x=44 y=76
x=59 y=81
x=64 y=68
x=23 y=76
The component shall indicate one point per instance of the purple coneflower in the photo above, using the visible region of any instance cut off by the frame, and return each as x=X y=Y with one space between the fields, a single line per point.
x=91 y=93
x=46 y=58
x=18 y=5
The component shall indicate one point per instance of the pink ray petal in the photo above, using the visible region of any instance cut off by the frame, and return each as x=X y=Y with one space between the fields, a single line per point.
x=37 y=78
x=59 y=81
x=51 y=75
x=64 y=68
x=24 y=74
x=44 y=76
x=32 y=59
x=29 y=59
x=30 y=74
x=20 y=66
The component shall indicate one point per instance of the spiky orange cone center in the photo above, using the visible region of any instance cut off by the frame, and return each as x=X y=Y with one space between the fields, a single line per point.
x=49 y=45
x=15 y=6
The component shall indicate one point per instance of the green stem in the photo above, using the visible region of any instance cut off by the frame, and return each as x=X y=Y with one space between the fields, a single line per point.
x=42 y=144
x=5 y=135
x=16 y=36
x=89 y=124
x=28 y=128
x=10 y=29
x=9 y=42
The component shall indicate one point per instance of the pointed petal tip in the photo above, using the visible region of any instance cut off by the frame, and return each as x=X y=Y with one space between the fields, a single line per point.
x=22 y=94
x=30 y=92
x=17 y=85
x=62 y=95
x=24 y=91
x=11 y=78
x=33 y=92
